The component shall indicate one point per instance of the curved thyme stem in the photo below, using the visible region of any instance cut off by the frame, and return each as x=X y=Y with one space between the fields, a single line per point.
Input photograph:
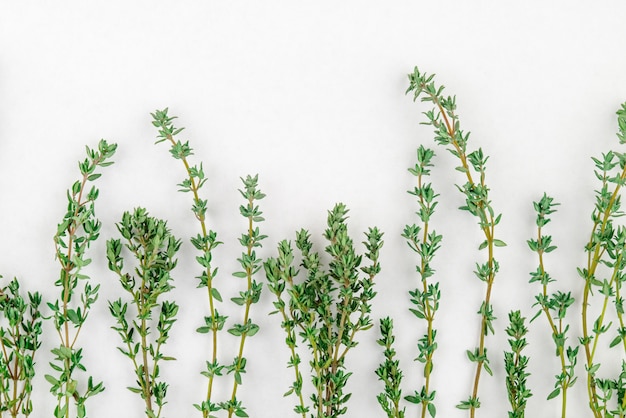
x=78 y=229
x=448 y=133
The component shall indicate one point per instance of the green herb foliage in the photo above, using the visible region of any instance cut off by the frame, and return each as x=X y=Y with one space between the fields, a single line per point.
x=603 y=276
x=425 y=299
x=20 y=331
x=554 y=306
x=153 y=246
x=250 y=265
x=390 y=373
x=326 y=310
x=448 y=133
x=515 y=365
x=78 y=229
x=205 y=242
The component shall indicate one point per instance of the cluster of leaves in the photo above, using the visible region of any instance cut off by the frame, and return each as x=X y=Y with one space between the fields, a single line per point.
x=20 y=331
x=425 y=299
x=326 y=310
x=554 y=306
x=78 y=229
x=151 y=243
x=445 y=121
x=515 y=365
x=205 y=242
x=603 y=276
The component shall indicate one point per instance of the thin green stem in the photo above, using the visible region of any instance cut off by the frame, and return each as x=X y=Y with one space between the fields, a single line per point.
x=593 y=261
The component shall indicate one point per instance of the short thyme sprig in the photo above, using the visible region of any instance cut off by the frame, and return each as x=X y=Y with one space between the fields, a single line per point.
x=605 y=248
x=153 y=246
x=250 y=264
x=554 y=306
x=390 y=373
x=445 y=121
x=515 y=365
x=20 y=331
x=78 y=229
x=205 y=242
x=327 y=310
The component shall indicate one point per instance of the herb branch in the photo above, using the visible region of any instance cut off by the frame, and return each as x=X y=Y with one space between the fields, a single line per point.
x=327 y=310
x=153 y=246
x=605 y=256
x=554 y=306
x=445 y=121
x=20 y=338
x=78 y=229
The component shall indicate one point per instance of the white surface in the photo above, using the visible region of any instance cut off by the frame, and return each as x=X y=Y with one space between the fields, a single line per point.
x=310 y=95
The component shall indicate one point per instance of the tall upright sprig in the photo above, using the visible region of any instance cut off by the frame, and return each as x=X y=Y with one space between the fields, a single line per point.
x=327 y=310
x=554 y=306
x=425 y=298
x=448 y=133
x=20 y=337
x=153 y=246
x=250 y=264
x=205 y=242
x=78 y=229
x=605 y=255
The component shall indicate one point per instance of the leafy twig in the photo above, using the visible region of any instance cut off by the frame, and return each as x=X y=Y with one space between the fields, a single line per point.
x=327 y=310
x=78 y=229
x=554 y=306
x=445 y=121
x=20 y=333
x=515 y=365
x=153 y=246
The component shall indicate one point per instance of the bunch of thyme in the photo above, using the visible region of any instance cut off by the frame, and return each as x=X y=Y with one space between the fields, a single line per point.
x=78 y=229
x=554 y=306
x=604 y=275
x=20 y=331
x=448 y=133
x=153 y=246
x=425 y=299
x=205 y=242
x=326 y=310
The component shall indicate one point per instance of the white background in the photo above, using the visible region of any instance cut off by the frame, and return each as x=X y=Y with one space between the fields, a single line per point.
x=310 y=95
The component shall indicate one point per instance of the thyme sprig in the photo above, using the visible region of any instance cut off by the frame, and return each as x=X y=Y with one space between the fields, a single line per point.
x=448 y=133
x=78 y=229
x=151 y=243
x=554 y=306
x=204 y=242
x=390 y=373
x=515 y=365
x=327 y=310
x=250 y=264
x=20 y=338
x=605 y=256
x=426 y=297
